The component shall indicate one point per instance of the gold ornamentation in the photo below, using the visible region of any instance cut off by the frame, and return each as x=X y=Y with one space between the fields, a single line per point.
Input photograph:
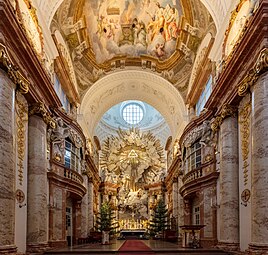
x=245 y=195
x=39 y=108
x=227 y=110
x=135 y=158
x=22 y=117
x=216 y=123
x=28 y=18
x=260 y=67
x=262 y=63
x=236 y=28
x=12 y=71
x=20 y=196
x=208 y=158
x=244 y=120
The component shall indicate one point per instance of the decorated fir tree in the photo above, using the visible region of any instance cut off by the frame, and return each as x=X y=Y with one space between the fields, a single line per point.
x=106 y=221
x=158 y=222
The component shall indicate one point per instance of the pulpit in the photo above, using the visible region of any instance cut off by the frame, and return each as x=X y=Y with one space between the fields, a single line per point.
x=191 y=236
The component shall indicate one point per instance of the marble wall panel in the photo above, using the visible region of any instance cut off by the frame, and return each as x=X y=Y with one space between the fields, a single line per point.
x=7 y=165
x=259 y=200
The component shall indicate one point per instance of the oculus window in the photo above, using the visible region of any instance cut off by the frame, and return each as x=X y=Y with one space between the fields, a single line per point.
x=132 y=113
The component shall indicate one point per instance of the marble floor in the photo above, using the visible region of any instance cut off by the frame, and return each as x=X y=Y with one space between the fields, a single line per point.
x=158 y=247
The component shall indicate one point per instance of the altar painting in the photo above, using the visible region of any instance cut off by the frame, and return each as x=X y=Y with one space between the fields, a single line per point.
x=133 y=27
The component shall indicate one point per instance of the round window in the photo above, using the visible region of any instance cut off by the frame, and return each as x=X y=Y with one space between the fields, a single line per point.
x=132 y=113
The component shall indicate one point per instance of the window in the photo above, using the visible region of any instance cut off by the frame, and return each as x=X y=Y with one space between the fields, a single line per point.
x=196 y=215
x=62 y=96
x=204 y=96
x=194 y=156
x=72 y=156
x=132 y=113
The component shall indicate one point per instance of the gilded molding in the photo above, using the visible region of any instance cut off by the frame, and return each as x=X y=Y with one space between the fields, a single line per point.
x=39 y=109
x=21 y=119
x=12 y=71
x=252 y=76
x=244 y=121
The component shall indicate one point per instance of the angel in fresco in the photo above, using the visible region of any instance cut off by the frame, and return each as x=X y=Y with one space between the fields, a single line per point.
x=171 y=21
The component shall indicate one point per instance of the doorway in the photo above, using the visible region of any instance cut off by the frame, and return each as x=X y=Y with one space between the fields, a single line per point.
x=69 y=226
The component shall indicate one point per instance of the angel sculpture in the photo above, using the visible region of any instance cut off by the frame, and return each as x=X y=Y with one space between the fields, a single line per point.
x=57 y=137
x=206 y=134
x=60 y=132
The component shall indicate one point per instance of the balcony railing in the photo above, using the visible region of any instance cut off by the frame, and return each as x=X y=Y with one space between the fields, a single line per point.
x=202 y=171
x=61 y=171
x=193 y=175
x=74 y=176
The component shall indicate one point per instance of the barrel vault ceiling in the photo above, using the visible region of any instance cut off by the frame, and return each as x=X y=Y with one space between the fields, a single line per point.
x=151 y=40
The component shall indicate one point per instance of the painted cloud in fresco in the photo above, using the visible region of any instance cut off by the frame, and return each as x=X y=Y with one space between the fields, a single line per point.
x=133 y=27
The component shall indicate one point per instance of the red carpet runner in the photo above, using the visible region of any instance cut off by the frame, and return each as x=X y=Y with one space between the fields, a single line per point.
x=132 y=247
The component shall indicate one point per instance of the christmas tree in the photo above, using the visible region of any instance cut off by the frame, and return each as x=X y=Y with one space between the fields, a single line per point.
x=106 y=221
x=158 y=222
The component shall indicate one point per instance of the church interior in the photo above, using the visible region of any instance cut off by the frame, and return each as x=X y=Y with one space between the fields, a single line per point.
x=152 y=109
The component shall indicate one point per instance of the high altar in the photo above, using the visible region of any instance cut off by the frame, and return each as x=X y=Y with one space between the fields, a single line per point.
x=132 y=174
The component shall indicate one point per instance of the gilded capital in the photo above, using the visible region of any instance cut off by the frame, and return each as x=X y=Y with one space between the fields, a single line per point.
x=40 y=109
x=12 y=71
x=227 y=110
x=262 y=62
x=216 y=123
x=252 y=76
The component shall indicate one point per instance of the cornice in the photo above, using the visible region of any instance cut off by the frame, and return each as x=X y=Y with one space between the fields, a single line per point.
x=24 y=57
x=242 y=60
x=12 y=71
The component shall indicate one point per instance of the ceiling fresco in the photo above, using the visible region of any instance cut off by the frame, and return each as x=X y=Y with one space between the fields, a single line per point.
x=133 y=28
x=104 y=36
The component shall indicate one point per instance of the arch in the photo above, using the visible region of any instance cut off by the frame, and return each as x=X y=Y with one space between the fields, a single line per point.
x=134 y=85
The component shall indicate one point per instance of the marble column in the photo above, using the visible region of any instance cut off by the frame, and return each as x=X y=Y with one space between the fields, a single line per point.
x=259 y=197
x=7 y=166
x=84 y=211
x=229 y=185
x=37 y=205
x=175 y=197
x=90 y=195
